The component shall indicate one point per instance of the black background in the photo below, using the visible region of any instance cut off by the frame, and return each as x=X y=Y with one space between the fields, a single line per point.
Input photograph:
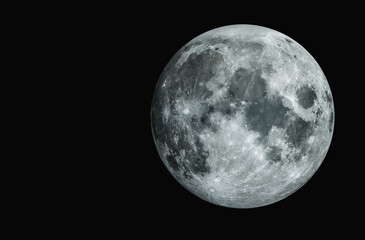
x=101 y=63
x=332 y=197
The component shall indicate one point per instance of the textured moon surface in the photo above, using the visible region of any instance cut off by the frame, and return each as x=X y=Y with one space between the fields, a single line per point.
x=242 y=116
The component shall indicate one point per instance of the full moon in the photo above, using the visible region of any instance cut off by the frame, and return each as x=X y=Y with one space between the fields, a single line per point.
x=242 y=116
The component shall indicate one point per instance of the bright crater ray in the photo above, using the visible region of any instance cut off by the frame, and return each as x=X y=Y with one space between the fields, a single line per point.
x=242 y=116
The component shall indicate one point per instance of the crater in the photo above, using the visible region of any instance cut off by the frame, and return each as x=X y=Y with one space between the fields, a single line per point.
x=328 y=97
x=306 y=96
x=330 y=122
x=288 y=40
x=211 y=109
x=204 y=120
x=318 y=113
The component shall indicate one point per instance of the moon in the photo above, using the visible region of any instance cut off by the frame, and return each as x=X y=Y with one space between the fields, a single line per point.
x=242 y=116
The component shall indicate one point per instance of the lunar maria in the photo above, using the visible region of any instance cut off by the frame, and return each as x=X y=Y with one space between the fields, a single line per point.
x=242 y=116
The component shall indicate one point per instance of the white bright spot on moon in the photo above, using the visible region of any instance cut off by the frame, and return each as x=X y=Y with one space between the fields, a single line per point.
x=311 y=139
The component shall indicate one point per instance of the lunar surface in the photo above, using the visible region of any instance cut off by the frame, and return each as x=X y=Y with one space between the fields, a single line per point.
x=242 y=116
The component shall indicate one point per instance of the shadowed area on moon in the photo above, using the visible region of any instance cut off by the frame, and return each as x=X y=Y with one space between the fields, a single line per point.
x=187 y=104
x=198 y=68
x=306 y=96
x=263 y=113
x=247 y=85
